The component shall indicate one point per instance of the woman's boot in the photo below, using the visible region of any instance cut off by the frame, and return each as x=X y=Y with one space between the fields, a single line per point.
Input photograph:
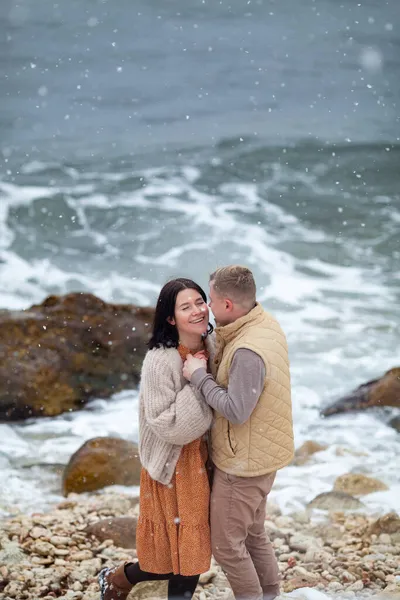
x=114 y=584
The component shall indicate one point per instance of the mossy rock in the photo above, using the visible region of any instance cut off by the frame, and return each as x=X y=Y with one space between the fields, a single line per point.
x=101 y=462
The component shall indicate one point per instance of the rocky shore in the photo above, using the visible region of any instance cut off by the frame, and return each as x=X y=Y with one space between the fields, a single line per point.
x=57 y=355
x=56 y=555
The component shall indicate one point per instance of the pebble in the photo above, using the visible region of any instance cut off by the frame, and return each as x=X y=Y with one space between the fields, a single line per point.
x=83 y=555
x=288 y=555
x=315 y=555
x=356 y=587
x=306 y=575
x=302 y=542
x=335 y=586
x=374 y=557
x=42 y=548
x=284 y=522
x=383 y=549
x=385 y=538
x=59 y=540
x=38 y=532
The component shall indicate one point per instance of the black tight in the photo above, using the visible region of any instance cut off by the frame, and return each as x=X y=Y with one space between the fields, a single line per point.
x=179 y=586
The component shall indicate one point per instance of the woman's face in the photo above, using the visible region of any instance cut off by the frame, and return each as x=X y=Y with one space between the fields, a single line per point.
x=191 y=313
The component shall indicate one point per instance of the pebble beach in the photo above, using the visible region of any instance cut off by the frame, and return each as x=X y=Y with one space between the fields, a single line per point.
x=340 y=554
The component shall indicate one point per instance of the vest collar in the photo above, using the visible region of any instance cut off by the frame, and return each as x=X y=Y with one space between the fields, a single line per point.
x=229 y=332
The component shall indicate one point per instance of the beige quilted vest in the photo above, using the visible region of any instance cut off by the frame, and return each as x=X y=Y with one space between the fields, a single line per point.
x=265 y=442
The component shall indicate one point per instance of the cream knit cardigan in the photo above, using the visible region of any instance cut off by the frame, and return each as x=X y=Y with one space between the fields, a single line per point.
x=171 y=412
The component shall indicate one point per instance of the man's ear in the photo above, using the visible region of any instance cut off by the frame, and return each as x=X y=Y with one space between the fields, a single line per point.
x=228 y=305
x=171 y=320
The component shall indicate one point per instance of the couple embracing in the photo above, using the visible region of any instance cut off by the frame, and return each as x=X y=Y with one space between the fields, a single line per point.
x=214 y=406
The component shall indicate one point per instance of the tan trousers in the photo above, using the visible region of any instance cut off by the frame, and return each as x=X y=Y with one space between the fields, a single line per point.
x=239 y=541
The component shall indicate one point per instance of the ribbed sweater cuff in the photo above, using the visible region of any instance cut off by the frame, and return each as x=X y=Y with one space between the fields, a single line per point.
x=198 y=377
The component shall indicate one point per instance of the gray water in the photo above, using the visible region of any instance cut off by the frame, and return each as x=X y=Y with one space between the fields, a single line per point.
x=146 y=140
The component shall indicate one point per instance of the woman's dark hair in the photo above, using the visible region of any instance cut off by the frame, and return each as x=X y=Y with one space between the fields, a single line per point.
x=164 y=334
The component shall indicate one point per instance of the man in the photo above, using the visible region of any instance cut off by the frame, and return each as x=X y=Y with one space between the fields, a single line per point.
x=252 y=433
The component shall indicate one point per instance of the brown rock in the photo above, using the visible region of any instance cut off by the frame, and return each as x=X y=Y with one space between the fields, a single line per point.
x=384 y=391
x=357 y=484
x=335 y=501
x=305 y=451
x=295 y=583
x=121 y=530
x=101 y=462
x=57 y=355
x=389 y=523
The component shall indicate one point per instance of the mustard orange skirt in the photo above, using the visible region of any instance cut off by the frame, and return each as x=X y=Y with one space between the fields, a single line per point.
x=173 y=533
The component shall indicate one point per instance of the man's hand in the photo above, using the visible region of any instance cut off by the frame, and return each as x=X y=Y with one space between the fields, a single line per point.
x=192 y=363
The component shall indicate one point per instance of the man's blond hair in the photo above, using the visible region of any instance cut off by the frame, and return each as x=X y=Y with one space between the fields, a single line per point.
x=236 y=283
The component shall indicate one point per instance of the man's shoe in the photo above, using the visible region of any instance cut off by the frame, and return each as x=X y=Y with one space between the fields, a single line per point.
x=114 y=584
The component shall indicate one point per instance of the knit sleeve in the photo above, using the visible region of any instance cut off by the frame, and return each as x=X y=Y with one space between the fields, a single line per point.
x=175 y=417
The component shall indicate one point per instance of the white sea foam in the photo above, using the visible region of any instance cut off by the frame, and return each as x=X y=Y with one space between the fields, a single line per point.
x=356 y=443
x=51 y=441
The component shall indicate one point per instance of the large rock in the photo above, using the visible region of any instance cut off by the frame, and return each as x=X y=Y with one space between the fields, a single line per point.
x=306 y=450
x=357 y=484
x=121 y=530
x=57 y=355
x=335 y=501
x=389 y=523
x=101 y=462
x=395 y=423
x=384 y=391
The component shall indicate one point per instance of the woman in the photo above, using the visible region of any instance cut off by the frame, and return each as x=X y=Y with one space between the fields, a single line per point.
x=173 y=535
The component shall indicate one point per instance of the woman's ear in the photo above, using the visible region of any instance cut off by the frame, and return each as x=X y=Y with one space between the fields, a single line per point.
x=171 y=320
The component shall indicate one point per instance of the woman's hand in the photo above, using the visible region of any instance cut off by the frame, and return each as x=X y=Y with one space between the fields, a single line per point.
x=201 y=354
x=192 y=363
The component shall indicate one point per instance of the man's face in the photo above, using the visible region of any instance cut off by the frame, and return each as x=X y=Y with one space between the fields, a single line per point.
x=218 y=306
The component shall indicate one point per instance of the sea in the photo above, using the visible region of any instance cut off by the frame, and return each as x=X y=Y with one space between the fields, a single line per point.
x=145 y=140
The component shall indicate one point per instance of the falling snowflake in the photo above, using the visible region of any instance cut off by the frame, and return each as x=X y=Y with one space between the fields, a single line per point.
x=371 y=59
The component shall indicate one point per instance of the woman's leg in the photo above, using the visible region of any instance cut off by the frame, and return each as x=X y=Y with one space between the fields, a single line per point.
x=116 y=583
x=134 y=574
x=181 y=586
